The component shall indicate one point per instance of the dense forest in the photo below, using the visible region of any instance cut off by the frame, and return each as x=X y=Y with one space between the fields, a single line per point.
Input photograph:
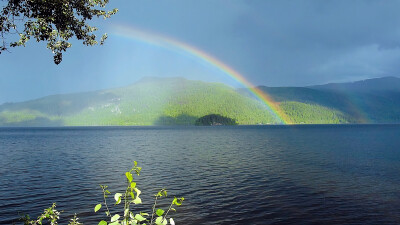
x=151 y=101
x=177 y=101
x=214 y=120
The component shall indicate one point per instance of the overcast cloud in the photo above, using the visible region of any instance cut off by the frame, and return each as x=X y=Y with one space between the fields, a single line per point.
x=272 y=43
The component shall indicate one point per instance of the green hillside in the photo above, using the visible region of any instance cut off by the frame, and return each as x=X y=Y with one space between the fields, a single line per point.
x=310 y=106
x=374 y=100
x=303 y=113
x=154 y=101
x=177 y=101
x=369 y=101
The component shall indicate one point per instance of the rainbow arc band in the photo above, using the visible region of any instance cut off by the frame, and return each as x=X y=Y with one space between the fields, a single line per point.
x=184 y=48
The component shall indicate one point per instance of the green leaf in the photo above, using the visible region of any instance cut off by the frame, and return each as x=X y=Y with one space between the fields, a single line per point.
x=119 y=201
x=137 y=170
x=115 y=223
x=137 y=200
x=139 y=217
x=162 y=193
x=137 y=192
x=133 y=185
x=132 y=195
x=115 y=218
x=102 y=222
x=117 y=198
x=98 y=206
x=129 y=176
x=135 y=163
x=178 y=201
x=126 y=212
x=159 y=212
x=159 y=220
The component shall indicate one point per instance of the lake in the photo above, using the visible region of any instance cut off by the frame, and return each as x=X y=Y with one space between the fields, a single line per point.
x=304 y=174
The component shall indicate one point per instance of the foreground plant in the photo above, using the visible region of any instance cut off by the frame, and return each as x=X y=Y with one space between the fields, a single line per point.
x=127 y=217
x=49 y=214
x=131 y=196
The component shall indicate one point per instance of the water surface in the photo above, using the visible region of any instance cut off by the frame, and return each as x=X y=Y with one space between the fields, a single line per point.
x=346 y=174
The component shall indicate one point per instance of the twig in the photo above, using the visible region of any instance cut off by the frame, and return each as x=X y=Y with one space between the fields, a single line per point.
x=165 y=216
x=105 y=201
x=154 y=207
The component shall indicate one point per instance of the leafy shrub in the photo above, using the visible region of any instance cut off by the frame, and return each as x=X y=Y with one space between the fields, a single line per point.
x=127 y=217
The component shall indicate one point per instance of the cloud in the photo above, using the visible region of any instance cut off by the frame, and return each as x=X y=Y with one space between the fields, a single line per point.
x=273 y=43
x=367 y=61
x=306 y=42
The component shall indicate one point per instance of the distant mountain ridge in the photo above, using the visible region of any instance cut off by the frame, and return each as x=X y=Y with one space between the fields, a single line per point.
x=374 y=100
x=178 y=101
x=368 y=85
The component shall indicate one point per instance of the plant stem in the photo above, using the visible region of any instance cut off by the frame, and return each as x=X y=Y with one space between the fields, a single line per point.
x=167 y=211
x=152 y=214
x=126 y=203
x=105 y=201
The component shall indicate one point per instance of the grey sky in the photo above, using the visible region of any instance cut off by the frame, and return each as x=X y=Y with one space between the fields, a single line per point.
x=272 y=43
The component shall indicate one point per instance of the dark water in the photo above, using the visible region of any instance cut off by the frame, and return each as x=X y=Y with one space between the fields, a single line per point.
x=228 y=175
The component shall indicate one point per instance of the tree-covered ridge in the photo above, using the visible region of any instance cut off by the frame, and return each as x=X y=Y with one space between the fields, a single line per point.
x=214 y=120
x=177 y=101
x=369 y=101
x=302 y=113
x=157 y=101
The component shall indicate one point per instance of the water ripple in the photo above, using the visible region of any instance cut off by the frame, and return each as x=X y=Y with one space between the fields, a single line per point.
x=228 y=175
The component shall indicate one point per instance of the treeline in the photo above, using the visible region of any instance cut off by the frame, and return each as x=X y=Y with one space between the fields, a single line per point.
x=214 y=119
x=173 y=102
x=302 y=113
x=176 y=101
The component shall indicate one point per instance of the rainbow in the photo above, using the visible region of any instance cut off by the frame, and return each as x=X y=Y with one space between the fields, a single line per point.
x=178 y=46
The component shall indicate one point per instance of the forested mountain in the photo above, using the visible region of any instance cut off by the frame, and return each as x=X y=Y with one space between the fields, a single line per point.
x=177 y=101
x=368 y=101
x=151 y=101
x=377 y=100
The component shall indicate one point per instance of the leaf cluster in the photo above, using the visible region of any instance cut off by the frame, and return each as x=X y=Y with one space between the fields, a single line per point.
x=131 y=196
x=127 y=217
x=51 y=215
x=52 y=21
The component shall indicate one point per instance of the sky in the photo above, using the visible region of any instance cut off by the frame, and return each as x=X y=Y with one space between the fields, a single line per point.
x=271 y=43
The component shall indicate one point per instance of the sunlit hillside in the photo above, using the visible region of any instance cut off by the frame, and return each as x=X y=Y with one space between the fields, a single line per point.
x=178 y=101
x=368 y=101
x=151 y=101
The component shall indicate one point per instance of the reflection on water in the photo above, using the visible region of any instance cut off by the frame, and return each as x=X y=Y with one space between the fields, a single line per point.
x=228 y=175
